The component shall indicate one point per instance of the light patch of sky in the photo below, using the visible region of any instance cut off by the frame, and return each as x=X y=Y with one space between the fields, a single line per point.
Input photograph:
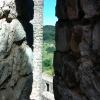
x=49 y=17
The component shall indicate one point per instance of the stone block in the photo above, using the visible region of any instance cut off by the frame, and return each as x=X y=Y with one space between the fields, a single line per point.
x=96 y=37
x=62 y=37
x=66 y=9
x=90 y=7
x=77 y=55
x=61 y=11
x=65 y=67
x=62 y=92
x=86 y=42
x=75 y=40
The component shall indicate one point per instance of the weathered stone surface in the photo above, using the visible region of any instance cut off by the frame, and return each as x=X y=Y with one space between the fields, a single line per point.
x=89 y=83
x=90 y=7
x=60 y=13
x=76 y=36
x=62 y=92
x=65 y=66
x=77 y=57
x=47 y=83
x=38 y=43
x=86 y=41
x=67 y=9
x=15 y=56
x=15 y=69
x=62 y=36
x=96 y=37
x=9 y=33
x=47 y=87
x=74 y=9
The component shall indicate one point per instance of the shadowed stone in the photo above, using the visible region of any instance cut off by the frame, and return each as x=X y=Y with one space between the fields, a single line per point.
x=15 y=56
x=62 y=36
x=77 y=57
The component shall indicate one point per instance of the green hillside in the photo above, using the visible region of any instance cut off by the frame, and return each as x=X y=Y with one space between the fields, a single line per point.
x=48 y=48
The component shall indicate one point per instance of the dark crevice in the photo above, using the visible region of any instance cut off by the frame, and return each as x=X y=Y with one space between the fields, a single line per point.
x=81 y=13
x=47 y=86
x=25 y=14
x=19 y=42
x=4 y=82
x=28 y=27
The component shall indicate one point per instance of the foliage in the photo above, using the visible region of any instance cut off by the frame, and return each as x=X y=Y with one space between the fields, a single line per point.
x=49 y=33
x=48 y=48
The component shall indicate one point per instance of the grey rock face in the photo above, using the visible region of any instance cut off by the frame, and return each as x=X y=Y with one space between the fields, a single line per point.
x=77 y=57
x=9 y=33
x=15 y=64
x=15 y=56
x=8 y=6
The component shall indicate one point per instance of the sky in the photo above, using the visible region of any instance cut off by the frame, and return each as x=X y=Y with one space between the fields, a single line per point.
x=49 y=12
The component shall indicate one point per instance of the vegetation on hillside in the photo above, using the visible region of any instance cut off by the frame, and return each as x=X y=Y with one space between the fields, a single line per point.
x=48 y=48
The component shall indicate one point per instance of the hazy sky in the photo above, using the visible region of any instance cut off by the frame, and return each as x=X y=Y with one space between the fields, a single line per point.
x=49 y=12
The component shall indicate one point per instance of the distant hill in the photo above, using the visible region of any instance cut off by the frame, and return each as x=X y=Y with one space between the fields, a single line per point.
x=48 y=33
x=48 y=48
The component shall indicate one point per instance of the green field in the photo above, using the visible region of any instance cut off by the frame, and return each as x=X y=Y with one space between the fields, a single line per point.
x=48 y=48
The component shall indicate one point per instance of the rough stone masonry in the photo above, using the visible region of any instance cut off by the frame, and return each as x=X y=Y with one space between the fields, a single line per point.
x=15 y=54
x=77 y=55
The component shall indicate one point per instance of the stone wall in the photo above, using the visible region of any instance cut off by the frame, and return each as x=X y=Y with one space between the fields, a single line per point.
x=15 y=54
x=77 y=55
x=38 y=43
x=47 y=87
